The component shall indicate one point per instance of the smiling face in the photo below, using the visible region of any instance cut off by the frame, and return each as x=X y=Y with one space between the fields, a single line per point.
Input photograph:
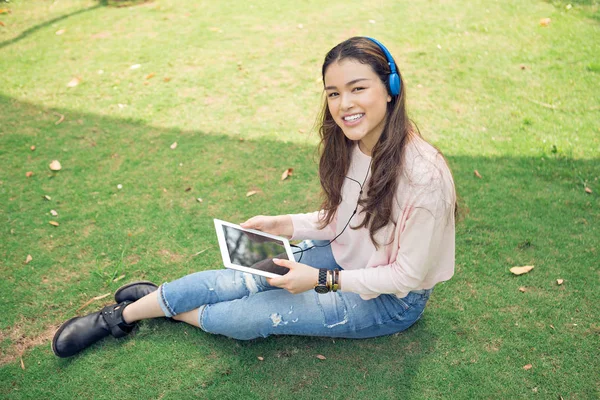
x=357 y=100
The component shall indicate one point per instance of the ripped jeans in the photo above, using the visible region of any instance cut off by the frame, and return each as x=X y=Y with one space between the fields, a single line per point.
x=244 y=306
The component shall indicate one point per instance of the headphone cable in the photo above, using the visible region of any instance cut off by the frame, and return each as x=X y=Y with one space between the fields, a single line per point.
x=301 y=251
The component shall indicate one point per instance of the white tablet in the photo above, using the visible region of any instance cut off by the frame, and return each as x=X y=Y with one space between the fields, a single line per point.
x=252 y=251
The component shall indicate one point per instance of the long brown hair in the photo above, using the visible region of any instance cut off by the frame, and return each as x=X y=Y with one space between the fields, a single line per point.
x=335 y=147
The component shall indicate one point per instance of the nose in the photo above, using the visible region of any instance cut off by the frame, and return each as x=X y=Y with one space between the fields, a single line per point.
x=346 y=102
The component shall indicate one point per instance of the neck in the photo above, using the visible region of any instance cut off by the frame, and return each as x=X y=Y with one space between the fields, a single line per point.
x=365 y=148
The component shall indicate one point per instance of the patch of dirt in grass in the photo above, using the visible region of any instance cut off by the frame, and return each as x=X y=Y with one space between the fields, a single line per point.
x=593 y=330
x=515 y=309
x=132 y=259
x=22 y=340
x=493 y=346
x=61 y=275
x=115 y=163
x=173 y=257
x=412 y=347
x=88 y=229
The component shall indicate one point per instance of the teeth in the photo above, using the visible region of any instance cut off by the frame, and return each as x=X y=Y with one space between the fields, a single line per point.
x=353 y=117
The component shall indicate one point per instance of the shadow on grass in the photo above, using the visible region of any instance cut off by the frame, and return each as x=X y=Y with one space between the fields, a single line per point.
x=522 y=210
x=35 y=28
x=590 y=8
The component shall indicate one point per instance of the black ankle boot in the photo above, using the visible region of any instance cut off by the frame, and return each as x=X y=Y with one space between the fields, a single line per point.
x=134 y=291
x=81 y=332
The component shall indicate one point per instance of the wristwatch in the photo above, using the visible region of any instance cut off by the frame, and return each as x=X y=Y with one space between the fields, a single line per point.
x=321 y=286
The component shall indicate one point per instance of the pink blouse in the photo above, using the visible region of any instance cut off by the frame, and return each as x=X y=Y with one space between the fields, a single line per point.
x=415 y=253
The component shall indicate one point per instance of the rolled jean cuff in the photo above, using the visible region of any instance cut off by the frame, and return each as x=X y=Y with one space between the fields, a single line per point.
x=200 y=317
x=162 y=302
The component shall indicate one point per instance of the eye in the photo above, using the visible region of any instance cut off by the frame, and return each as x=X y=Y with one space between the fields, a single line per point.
x=332 y=94
x=358 y=89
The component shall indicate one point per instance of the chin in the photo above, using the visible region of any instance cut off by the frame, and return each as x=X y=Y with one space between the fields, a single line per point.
x=356 y=136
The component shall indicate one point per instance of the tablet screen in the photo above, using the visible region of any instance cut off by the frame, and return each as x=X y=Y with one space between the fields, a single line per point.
x=254 y=251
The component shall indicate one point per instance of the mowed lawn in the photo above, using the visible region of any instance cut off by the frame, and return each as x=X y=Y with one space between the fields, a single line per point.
x=167 y=114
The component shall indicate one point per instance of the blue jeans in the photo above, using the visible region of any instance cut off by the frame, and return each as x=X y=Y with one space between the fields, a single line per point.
x=244 y=306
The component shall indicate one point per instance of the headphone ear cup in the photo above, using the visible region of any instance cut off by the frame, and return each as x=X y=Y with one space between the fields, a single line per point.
x=394 y=84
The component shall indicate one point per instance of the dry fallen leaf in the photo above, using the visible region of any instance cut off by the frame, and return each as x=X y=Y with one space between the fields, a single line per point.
x=545 y=21
x=61 y=118
x=174 y=146
x=588 y=190
x=166 y=79
x=28 y=259
x=2 y=23
x=321 y=357
x=477 y=174
x=521 y=270
x=55 y=165
x=559 y=281
x=54 y=213
x=119 y=278
x=74 y=82
x=150 y=75
x=527 y=367
x=260 y=358
x=60 y=31
x=286 y=173
x=4 y=10
x=199 y=200
x=135 y=66
x=22 y=364
x=187 y=189
x=552 y=326
x=522 y=289
x=251 y=193
x=46 y=197
x=32 y=148
x=54 y=223
x=29 y=174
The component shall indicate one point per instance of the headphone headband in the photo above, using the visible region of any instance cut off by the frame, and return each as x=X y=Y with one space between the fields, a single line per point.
x=394 y=78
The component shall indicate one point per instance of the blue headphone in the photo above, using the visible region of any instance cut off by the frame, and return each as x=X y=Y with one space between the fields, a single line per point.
x=394 y=78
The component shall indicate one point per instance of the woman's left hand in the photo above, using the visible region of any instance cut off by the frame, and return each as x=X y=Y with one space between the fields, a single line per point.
x=300 y=278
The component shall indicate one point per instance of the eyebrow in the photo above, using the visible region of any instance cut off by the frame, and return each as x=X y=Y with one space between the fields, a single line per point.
x=348 y=84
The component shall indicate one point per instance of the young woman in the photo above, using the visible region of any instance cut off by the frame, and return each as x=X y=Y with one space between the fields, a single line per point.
x=382 y=240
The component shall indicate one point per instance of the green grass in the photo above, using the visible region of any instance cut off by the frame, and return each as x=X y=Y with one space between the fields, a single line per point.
x=497 y=92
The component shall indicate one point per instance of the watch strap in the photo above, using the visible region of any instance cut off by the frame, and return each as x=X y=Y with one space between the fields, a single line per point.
x=322 y=277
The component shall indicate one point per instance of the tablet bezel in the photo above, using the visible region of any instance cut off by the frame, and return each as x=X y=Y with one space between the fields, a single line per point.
x=225 y=253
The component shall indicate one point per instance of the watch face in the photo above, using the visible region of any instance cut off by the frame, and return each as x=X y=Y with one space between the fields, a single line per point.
x=321 y=289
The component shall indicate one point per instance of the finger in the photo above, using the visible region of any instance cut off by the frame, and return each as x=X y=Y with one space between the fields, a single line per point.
x=277 y=282
x=284 y=263
x=247 y=224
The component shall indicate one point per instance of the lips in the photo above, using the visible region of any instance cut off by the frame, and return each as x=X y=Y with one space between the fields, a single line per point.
x=352 y=119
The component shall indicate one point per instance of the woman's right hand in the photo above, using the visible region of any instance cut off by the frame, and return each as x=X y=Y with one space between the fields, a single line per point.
x=280 y=225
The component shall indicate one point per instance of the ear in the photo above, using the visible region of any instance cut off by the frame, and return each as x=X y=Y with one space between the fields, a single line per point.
x=389 y=98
